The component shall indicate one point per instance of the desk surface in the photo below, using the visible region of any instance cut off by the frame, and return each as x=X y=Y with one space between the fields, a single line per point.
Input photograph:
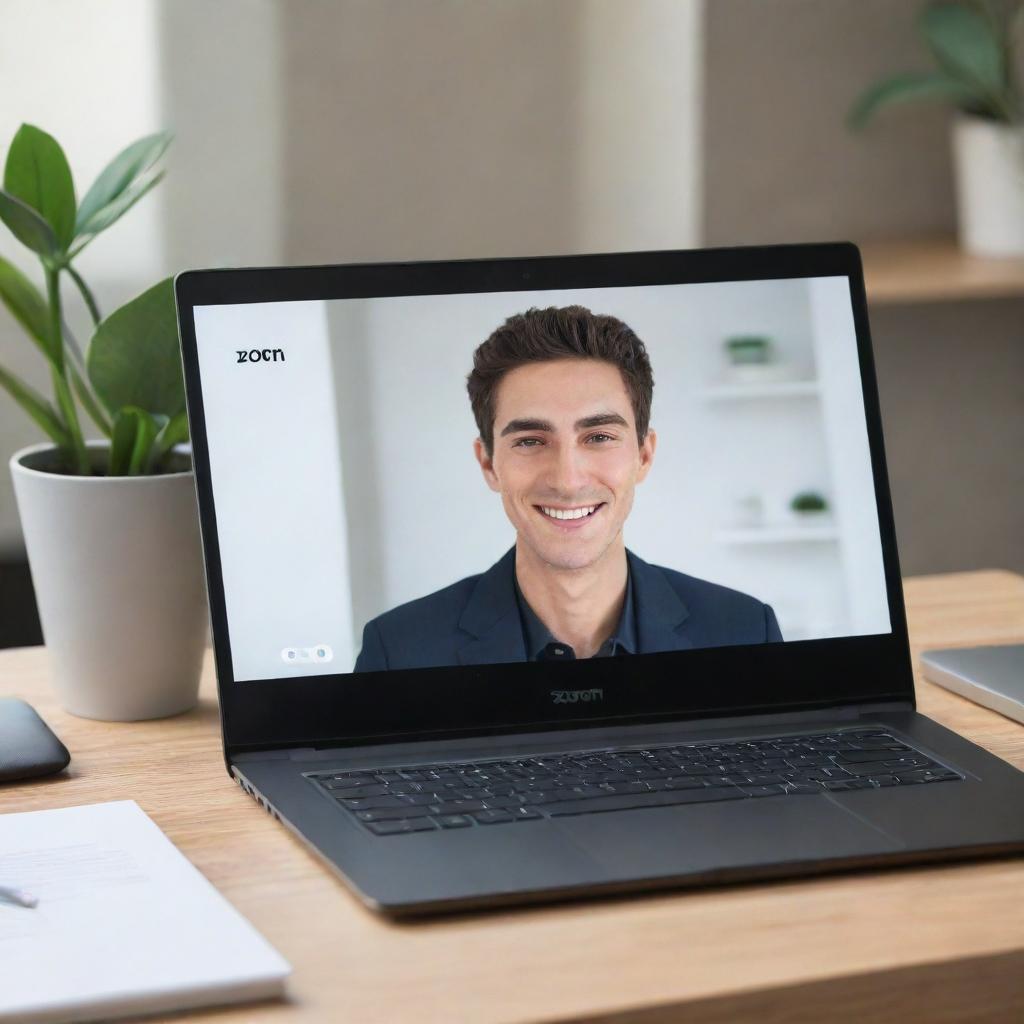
x=938 y=943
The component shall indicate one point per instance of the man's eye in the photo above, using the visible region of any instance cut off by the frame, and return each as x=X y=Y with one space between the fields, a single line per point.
x=600 y=437
x=527 y=442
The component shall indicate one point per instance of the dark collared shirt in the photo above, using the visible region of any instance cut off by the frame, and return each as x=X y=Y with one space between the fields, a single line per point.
x=541 y=644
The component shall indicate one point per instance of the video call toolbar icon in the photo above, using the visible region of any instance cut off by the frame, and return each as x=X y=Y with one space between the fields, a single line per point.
x=306 y=655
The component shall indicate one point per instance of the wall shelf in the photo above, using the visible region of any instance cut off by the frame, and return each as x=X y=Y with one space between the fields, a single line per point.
x=936 y=270
x=765 y=389
x=796 y=534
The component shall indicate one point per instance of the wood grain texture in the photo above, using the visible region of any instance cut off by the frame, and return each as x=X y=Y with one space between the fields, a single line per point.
x=939 y=944
x=935 y=270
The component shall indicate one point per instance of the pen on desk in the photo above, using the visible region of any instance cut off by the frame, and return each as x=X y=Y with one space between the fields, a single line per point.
x=23 y=899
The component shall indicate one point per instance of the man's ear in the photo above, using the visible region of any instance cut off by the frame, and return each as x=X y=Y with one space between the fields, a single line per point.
x=647 y=454
x=486 y=465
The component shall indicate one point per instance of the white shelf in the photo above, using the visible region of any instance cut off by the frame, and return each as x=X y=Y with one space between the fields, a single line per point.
x=768 y=389
x=796 y=534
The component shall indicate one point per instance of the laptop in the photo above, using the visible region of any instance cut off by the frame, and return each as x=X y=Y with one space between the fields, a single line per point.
x=541 y=579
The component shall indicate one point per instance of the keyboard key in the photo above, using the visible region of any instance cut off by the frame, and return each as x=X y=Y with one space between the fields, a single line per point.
x=396 y=813
x=764 y=790
x=706 y=794
x=370 y=803
x=524 y=814
x=452 y=820
x=492 y=817
x=938 y=775
x=392 y=828
x=342 y=790
x=884 y=780
x=854 y=756
x=840 y=785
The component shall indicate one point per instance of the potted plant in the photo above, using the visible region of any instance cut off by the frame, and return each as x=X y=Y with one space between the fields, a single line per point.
x=975 y=45
x=809 y=505
x=110 y=525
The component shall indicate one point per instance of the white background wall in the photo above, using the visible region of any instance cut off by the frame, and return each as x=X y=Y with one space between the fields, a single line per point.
x=425 y=518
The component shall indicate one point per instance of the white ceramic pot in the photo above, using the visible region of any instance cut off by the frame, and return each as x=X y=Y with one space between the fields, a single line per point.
x=989 y=161
x=117 y=568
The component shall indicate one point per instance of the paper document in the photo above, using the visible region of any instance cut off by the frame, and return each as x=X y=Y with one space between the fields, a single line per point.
x=124 y=923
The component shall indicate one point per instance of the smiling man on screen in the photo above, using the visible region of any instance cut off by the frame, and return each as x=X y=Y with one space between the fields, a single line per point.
x=562 y=400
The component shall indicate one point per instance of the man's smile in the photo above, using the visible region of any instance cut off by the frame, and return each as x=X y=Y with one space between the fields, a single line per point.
x=570 y=517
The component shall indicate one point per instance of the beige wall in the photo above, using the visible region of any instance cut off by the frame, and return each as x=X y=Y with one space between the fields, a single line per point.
x=781 y=167
x=446 y=129
x=780 y=164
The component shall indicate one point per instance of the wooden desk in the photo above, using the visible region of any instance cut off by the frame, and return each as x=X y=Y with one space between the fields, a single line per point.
x=935 y=944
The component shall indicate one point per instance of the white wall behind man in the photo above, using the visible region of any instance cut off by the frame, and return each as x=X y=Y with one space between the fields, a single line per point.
x=420 y=515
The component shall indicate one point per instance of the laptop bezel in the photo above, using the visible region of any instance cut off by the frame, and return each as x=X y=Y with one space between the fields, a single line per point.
x=356 y=708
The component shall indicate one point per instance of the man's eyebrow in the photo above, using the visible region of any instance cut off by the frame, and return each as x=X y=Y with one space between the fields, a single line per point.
x=515 y=426
x=604 y=419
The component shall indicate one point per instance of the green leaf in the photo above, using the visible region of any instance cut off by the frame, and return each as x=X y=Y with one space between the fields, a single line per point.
x=37 y=407
x=28 y=226
x=131 y=441
x=134 y=359
x=128 y=165
x=38 y=174
x=122 y=440
x=933 y=85
x=26 y=304
x=114 y=210
x=965 y=42
x=174 y=431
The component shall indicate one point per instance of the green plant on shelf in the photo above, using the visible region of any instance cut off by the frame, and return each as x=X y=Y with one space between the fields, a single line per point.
x=129 y=379
x=975 y=45
x=809 y=503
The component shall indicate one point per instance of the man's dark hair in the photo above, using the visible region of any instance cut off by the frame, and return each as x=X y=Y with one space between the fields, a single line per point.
x=542 y=335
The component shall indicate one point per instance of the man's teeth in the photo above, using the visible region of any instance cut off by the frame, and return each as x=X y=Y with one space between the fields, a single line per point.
x=568 y=513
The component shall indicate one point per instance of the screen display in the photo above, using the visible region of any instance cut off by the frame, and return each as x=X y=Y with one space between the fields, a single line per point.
x=470 y=479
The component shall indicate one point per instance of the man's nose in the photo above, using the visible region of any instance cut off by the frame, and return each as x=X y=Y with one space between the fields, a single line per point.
x=568 y=474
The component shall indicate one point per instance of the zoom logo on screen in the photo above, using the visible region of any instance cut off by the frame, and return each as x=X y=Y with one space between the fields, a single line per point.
x=260 y=355
x=306 y=655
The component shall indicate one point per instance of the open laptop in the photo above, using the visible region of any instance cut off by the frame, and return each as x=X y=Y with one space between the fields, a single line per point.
x=534 y=579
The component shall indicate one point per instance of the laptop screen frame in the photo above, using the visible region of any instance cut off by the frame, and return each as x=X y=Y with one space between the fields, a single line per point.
x=358 y=708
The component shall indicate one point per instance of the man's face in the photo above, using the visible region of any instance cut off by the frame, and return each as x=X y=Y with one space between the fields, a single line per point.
x=566 y=458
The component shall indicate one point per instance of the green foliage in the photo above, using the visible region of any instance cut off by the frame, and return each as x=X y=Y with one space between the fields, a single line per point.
x=130 y=383
x=972 y=42
x=133 y=357
x=808 y=501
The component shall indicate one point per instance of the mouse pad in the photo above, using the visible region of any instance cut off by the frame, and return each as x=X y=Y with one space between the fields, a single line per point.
x=28 y=748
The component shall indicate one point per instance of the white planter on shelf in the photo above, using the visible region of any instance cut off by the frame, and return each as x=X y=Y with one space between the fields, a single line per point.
x=117 y=569
x=989 y=162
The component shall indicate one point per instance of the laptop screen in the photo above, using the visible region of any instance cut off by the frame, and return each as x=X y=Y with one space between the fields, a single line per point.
x=423 y=481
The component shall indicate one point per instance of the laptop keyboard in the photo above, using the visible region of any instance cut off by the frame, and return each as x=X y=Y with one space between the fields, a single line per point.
x=421 y=798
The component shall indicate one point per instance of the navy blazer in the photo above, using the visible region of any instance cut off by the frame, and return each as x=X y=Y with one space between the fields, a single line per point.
x=476 y=621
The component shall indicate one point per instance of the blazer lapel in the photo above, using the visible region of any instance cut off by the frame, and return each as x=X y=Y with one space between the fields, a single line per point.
x=491 y=618
x=660 y=613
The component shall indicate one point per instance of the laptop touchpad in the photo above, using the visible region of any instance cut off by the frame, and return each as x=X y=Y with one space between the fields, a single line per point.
x=710 y=837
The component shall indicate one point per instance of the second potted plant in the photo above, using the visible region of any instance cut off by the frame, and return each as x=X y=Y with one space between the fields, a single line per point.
x=975 y=46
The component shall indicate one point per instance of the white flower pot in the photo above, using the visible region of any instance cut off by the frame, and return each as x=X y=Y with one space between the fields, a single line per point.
x=989 y=161
x=117 y=568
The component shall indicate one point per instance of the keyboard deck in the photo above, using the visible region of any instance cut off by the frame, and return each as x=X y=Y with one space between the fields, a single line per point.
x=419 y=798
